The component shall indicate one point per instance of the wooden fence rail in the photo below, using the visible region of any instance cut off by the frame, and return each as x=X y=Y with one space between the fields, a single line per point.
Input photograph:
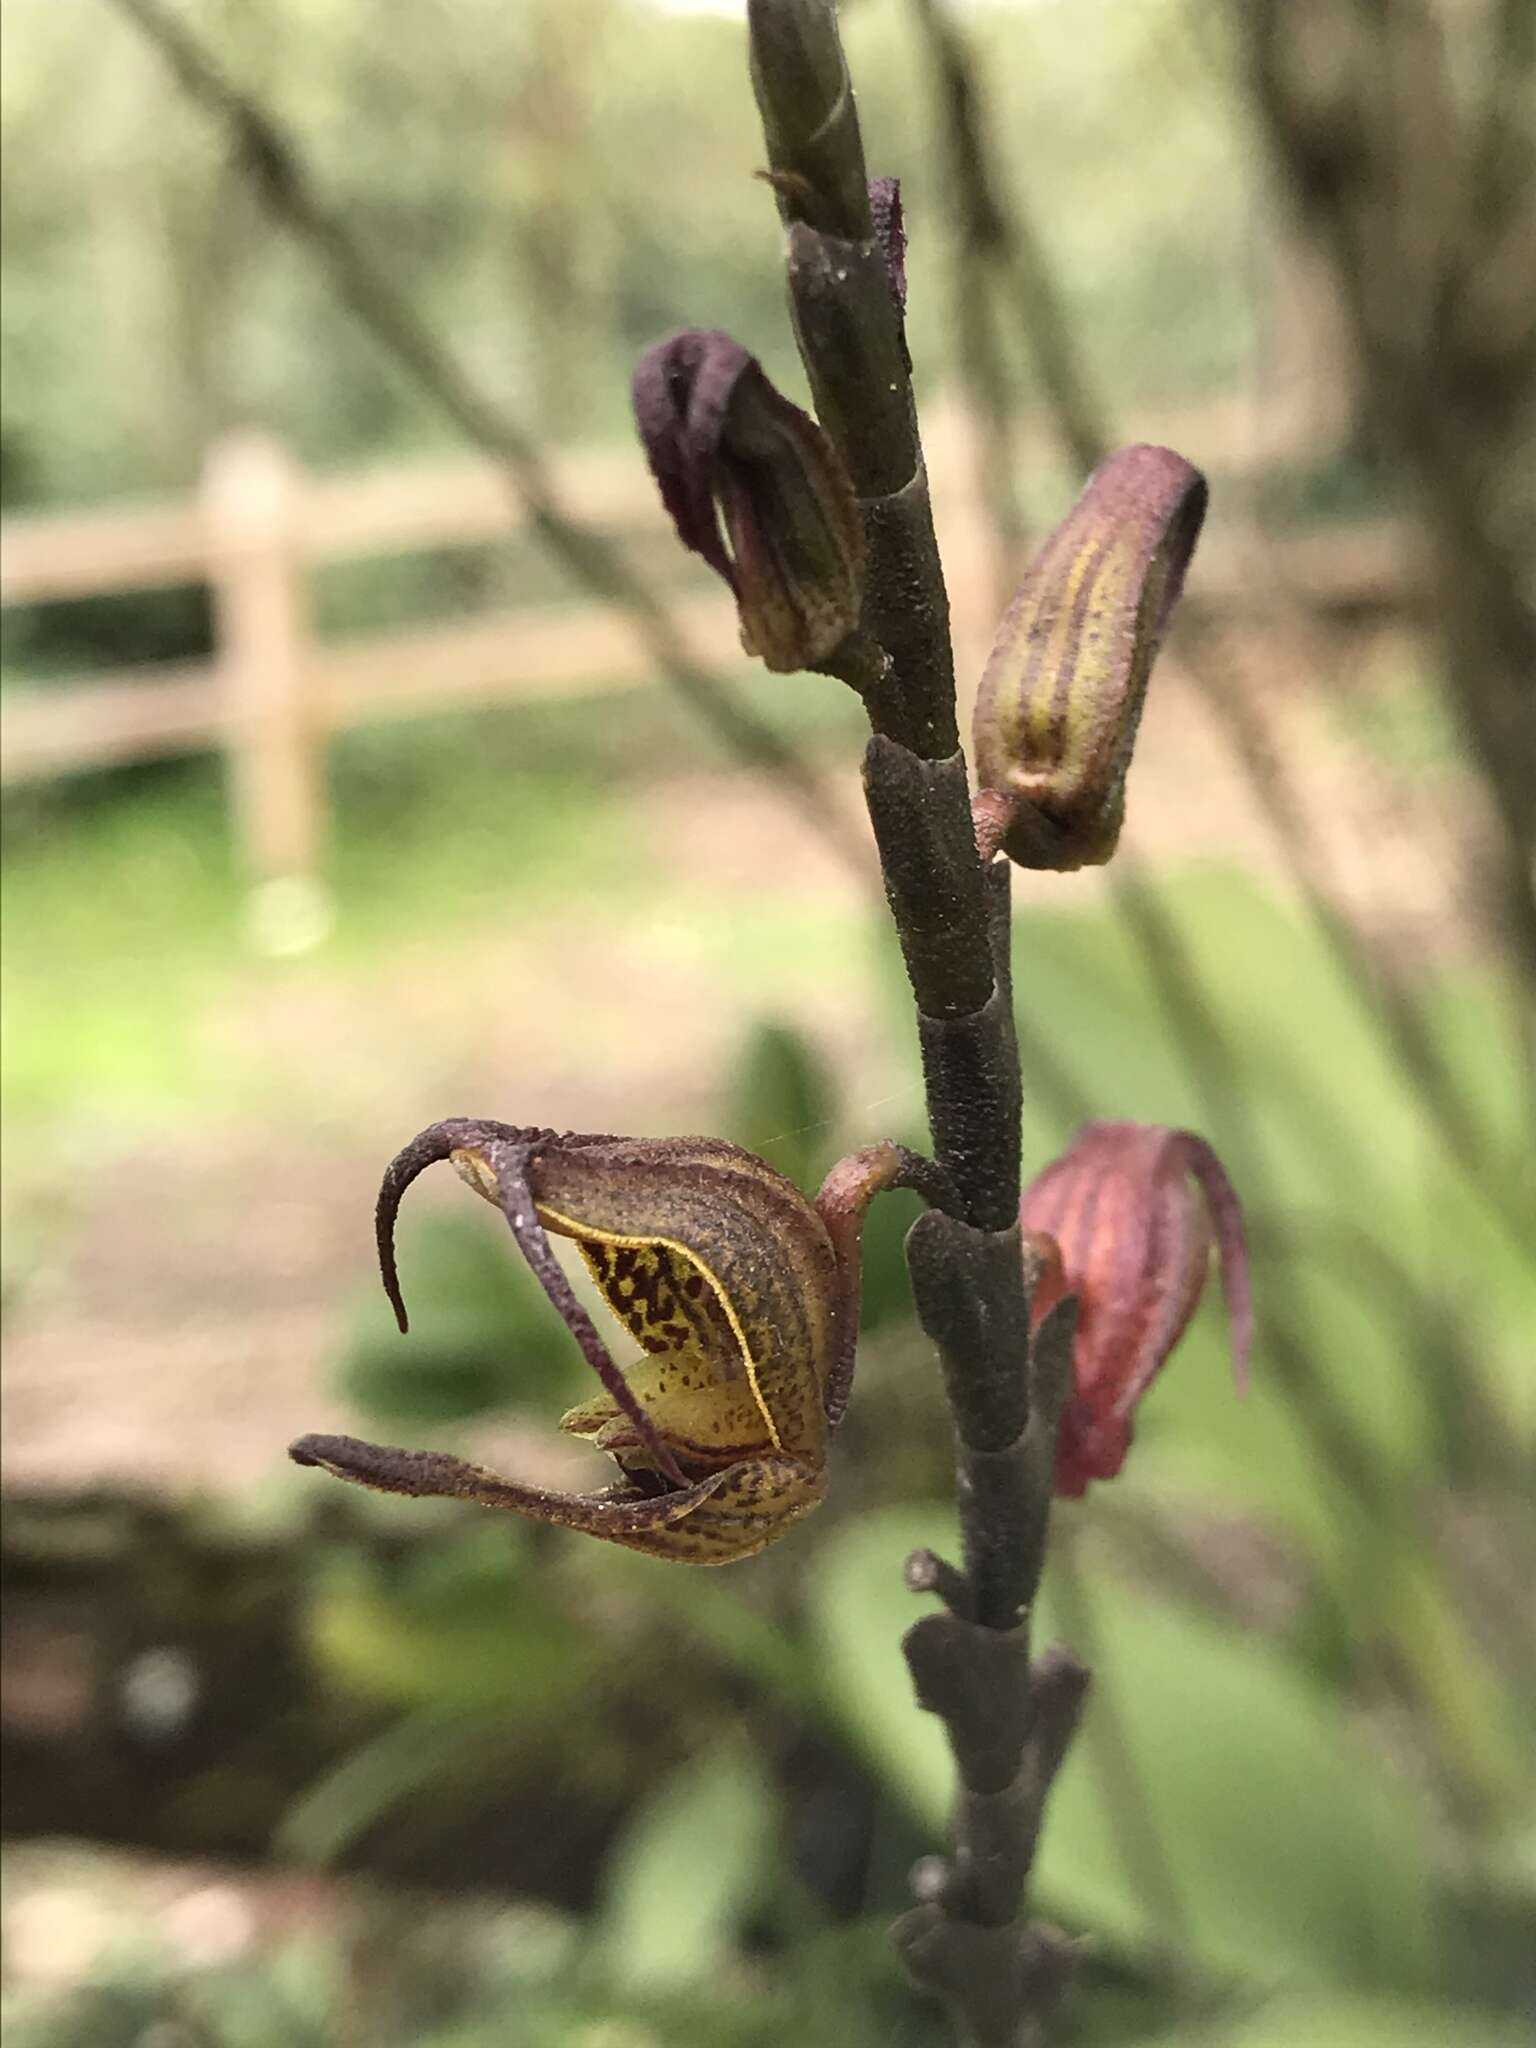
x=275 y=690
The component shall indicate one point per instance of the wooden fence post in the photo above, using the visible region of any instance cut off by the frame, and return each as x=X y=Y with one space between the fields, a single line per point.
x=274 y=728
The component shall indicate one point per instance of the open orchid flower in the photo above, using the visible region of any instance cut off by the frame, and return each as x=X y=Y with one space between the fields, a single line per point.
x=1061 y=696
x=1127 y=1217
x=742 y=1296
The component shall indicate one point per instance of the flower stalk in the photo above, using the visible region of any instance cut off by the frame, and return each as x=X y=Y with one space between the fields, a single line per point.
x=741 y=1292
x=1009 y=1718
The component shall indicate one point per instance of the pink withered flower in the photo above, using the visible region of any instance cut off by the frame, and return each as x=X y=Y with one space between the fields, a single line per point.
x=1131 y=1212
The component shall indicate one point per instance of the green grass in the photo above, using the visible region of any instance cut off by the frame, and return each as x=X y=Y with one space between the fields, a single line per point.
x=126 y=915
x=116 y=918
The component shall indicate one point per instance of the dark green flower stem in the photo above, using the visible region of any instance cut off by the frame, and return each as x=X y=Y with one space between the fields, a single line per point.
x=1009 y=1720
x=849 y=329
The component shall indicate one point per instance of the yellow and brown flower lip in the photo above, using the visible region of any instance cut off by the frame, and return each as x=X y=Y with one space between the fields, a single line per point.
x=741 y=1295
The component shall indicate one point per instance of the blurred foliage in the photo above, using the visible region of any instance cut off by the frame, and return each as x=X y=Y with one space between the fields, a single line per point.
x=1313 y=1691
x=527 y=1981
x=452 y=829
x=1273 y=1843
x=481 y=1331
x=782 y=1104
x=514 y=1980
x=461 y=1625
x=491 y=151
x=1305 y=1764
x=690 y=1868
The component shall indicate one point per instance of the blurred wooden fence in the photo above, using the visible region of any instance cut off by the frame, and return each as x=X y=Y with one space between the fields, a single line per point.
x=274 y=690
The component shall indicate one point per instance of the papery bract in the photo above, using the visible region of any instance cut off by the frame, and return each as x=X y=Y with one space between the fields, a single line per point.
x=1128 y=1215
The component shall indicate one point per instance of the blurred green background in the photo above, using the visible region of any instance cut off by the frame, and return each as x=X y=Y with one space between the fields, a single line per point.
x=286 y=1766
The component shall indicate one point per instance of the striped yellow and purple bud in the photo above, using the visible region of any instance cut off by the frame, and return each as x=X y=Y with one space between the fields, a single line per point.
x=741 y=1296
x=1061 y=696
x=755 y=487
x=1127 y=1217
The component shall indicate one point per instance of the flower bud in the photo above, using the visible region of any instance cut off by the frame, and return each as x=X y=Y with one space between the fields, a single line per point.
x=727 y=450
x=1127 y=1232
x=1061 y=696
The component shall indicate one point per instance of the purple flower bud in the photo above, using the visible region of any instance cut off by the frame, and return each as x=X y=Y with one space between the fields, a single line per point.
x=755 y=487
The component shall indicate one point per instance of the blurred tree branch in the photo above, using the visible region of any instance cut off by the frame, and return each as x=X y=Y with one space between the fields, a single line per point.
x=277 y=167
x=1002 y=264
x=1009 y=1717
x=1420 y=190
x=1006 y=253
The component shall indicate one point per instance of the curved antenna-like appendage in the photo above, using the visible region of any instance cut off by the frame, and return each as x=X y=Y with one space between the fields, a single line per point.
x=435 y=1143
x=505 y=1151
